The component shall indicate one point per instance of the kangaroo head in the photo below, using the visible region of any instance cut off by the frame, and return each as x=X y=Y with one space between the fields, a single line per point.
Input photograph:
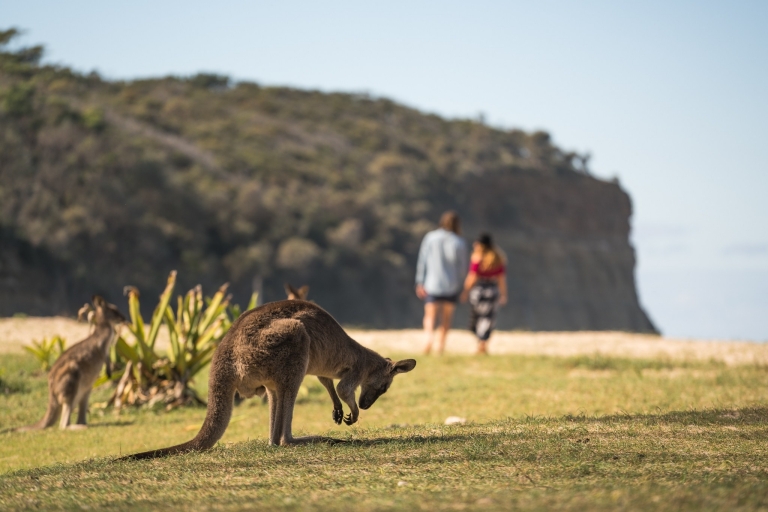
x=378 y=381
x=294 y=294
x=106 y=312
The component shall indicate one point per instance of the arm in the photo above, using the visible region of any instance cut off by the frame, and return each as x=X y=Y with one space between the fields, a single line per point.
x=469 y=282
x=463 y=262
x=421 y=270
x=503 y=288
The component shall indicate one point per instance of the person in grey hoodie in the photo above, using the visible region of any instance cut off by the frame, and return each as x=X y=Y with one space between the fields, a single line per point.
x=440 y=272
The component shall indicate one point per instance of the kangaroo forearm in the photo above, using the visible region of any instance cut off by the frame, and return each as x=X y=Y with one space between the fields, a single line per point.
x=346 y=389
x=328 y=384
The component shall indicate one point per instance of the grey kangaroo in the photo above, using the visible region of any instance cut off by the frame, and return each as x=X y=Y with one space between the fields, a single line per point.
x=72 y=376
x=273 y=347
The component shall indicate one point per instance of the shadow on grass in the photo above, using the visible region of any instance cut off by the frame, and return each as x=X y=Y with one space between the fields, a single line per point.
x=743 y=416
x=112 y=423
x=412 y=439
x=115 y=423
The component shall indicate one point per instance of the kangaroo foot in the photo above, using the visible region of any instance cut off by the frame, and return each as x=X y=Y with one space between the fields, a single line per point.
x=78 y=426
x=349 y=420
x=338 y=415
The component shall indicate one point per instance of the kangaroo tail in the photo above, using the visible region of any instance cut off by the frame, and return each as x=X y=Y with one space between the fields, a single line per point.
x=50 y=416
x=221 y=395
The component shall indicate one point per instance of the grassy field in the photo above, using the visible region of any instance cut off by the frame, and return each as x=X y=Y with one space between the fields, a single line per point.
x=542 y=432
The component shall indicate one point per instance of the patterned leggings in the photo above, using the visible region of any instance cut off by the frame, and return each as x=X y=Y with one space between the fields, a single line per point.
x=484 y=299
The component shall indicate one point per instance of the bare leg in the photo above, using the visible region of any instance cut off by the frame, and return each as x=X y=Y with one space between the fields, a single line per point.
x=338 y=411
x=430 y=312
x=447 y=309
x=482 y=347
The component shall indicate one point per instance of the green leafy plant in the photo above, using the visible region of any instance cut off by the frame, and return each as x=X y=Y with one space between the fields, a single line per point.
x=47 y=351
x=195 y=327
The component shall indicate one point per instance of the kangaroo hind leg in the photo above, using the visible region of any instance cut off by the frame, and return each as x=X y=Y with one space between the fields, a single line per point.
x=66 y=413
x=66 y=392
x=288 y=401
x=275 y=432
x=82 y=410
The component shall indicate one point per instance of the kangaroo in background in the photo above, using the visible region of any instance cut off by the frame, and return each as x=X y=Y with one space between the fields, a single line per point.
x=273 y=347
x=71 y=378
x=294 y=294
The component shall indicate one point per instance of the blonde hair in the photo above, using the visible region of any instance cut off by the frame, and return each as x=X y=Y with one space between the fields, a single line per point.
x=492 y=258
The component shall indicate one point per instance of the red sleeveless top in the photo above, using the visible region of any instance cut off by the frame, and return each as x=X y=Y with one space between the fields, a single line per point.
x=475 y=267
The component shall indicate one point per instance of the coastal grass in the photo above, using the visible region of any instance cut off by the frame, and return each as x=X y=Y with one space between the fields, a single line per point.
x=542 y=432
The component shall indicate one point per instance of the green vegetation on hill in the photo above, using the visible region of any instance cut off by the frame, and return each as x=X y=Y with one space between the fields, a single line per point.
x=110 y=183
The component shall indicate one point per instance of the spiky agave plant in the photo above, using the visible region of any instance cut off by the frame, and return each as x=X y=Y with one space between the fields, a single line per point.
x=151 y=376
x=47 y=351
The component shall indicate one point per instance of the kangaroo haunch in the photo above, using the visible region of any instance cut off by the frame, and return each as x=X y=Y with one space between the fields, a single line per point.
x=271 y=348
x=71 y=378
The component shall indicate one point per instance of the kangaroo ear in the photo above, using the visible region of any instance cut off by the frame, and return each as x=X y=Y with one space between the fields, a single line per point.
x=83 y=312
x=98 y=301
x=303 y=292
x=404 y=366
x=290 y=290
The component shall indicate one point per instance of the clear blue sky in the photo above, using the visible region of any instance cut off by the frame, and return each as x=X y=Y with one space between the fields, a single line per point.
x=670 y=96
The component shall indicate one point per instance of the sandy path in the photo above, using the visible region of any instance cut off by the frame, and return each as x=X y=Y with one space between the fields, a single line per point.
x=15 y=332
x=619 y=344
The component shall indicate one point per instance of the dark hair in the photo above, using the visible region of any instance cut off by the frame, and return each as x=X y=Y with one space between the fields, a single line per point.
x=450 y=222
x=492 y=257
x=485 y=240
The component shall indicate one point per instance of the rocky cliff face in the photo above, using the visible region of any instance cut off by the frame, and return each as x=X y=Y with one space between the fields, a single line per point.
x=570 y=264
x=106 y=184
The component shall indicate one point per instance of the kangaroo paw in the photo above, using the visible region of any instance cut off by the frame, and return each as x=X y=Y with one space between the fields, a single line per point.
x=338 y=415
x=349 y=420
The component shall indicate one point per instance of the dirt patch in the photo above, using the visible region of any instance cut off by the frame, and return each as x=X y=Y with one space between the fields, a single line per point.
x=17 y=332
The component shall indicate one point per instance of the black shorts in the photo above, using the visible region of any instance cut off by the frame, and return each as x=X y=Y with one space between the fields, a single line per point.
x=442 y=298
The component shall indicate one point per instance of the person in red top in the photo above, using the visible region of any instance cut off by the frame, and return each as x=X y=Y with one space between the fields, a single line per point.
x=485 y=287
